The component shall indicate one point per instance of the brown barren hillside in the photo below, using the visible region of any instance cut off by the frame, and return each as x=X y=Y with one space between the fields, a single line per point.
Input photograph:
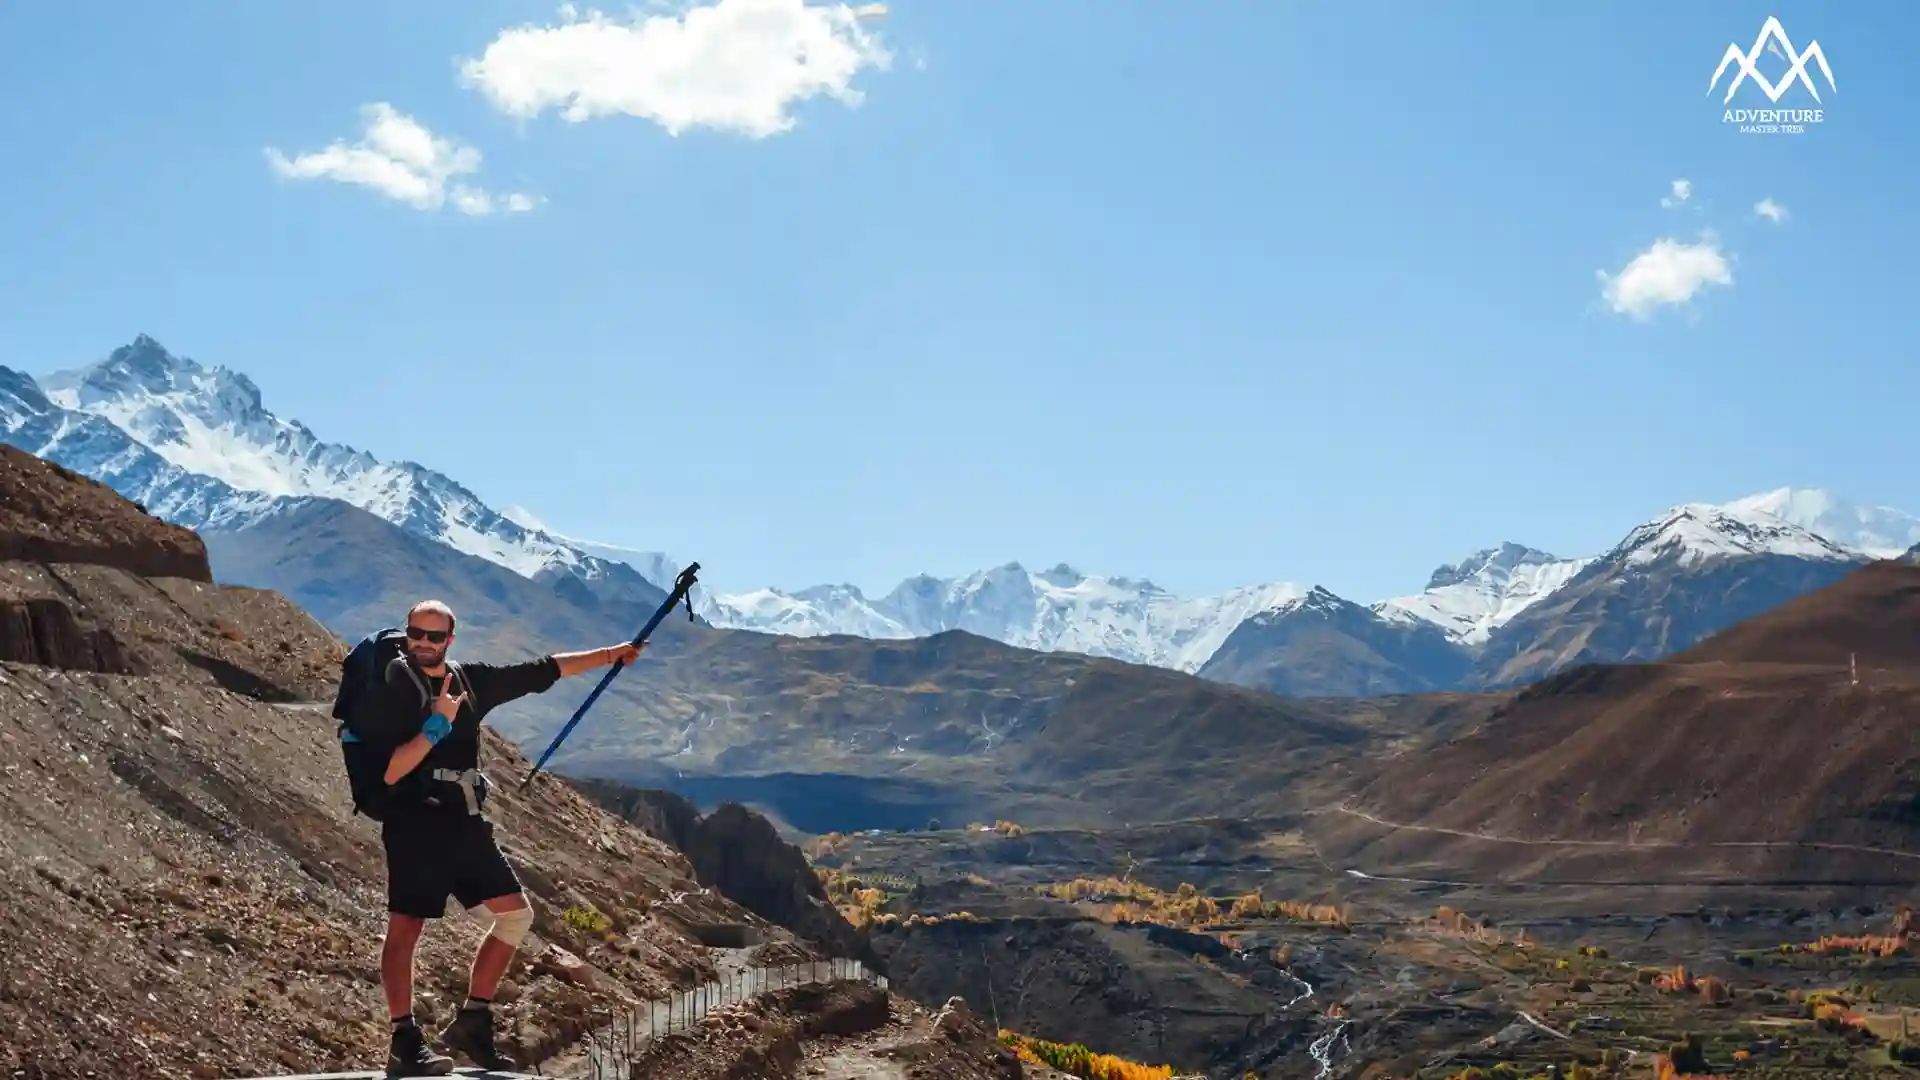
x=51 y=514
x=1872 y=614
x=1758 y=734
x=184 y=891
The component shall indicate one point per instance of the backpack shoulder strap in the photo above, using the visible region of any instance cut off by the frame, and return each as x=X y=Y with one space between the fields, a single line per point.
x=418 y=683
x=466 y=684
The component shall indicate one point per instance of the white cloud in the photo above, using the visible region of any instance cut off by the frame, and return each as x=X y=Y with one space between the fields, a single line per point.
x=733 y=65
x=1770 y=210
x=1682 y=191
x=1668 y=274
x=401 y=159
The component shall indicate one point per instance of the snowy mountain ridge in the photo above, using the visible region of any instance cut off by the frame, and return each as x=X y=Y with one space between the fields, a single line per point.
x=210 y=422
x=95 y=447
x=1471 y=599
x=1058 y=609
x=1878 y=532
x=197 y=445
x=1698 y=532
x=1467 y=601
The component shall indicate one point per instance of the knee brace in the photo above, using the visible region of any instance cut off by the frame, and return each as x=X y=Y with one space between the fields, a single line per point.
x=509 y=926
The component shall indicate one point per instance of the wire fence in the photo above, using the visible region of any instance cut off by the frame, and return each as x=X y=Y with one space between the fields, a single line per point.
x=618 y=1036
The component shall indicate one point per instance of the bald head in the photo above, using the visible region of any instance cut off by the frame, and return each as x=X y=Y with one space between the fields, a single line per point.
x=429 y=633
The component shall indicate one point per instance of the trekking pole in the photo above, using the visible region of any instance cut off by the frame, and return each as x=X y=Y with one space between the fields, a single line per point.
x=681 y=585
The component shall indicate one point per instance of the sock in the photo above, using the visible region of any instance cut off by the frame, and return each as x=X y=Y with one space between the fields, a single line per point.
x=403 y=1022
x=478 y=1004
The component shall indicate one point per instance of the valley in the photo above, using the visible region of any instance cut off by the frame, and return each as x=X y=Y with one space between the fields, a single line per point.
x=1697 y=865
x=1231 y=946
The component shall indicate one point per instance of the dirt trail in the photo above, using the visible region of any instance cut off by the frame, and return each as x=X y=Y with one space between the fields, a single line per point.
x=1622 y=845
x=866 y=1057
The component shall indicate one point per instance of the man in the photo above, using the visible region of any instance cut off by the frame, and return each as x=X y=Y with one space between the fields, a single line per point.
x=438 y=844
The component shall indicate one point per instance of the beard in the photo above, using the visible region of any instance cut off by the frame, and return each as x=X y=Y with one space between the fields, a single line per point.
x=425 y=655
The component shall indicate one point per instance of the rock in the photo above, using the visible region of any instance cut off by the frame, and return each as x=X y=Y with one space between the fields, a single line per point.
x=46 y=631
x=955 y=1019
x=565 y=966
x=741 y=855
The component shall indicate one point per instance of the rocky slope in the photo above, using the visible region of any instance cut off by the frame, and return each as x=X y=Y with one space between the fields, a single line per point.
x=51 y=514
x=185 y=891
x=738 y=853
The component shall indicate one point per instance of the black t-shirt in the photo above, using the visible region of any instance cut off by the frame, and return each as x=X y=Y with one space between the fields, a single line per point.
x=397 y=712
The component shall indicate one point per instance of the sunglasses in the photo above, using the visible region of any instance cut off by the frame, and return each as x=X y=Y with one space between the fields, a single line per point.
x=415 y=633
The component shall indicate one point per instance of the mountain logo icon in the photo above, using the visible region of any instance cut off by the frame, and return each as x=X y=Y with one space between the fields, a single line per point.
x=1773 y=39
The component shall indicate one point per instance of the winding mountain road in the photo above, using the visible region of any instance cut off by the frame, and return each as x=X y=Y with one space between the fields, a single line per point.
x=1619 y=845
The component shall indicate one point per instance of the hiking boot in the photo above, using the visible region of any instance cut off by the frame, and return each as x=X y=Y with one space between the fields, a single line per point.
x=410 y=1056
x=471 y=1035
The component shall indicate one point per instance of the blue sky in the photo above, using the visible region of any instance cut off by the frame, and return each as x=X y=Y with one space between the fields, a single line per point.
x=1208 y=293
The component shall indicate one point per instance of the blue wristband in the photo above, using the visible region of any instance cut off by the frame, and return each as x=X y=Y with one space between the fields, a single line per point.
x=436 y=728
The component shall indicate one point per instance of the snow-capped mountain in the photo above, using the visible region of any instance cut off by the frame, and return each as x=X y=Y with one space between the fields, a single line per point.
x=1136 y=621
x=210 y=423
x=1670 y=582
x=1057 y=609
x=196 y=445
x=1488 y=589
x=96 y=448
x=1877 y=531
x=1322 y=645
x=655 y=566
x=1472 y=598
x=1697 y=532
x=1063 y=609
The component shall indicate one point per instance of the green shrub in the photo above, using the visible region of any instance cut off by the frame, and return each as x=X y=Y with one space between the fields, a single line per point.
x=587 y=921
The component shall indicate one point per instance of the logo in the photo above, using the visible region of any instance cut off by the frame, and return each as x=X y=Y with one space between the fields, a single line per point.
x=1793 y=121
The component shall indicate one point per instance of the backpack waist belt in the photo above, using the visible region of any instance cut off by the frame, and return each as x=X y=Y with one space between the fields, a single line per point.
x=471 y=782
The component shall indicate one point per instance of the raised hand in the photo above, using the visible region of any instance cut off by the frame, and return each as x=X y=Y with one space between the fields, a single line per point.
x=448 y=705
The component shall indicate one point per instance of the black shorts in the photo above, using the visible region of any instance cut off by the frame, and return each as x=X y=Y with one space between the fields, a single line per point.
x=431 y=858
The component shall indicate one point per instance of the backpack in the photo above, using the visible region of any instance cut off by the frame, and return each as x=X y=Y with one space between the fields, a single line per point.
x=361 y=675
